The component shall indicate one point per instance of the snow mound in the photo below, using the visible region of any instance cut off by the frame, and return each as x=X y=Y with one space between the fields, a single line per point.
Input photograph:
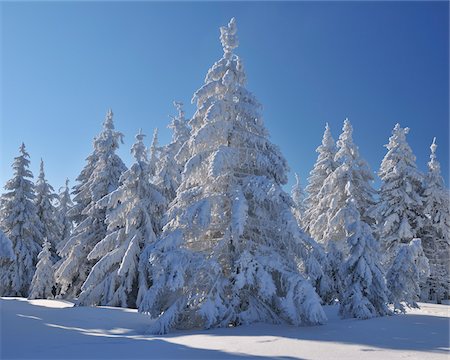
x=54 y=329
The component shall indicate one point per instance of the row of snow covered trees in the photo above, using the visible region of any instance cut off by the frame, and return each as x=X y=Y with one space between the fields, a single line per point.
x=199 y=233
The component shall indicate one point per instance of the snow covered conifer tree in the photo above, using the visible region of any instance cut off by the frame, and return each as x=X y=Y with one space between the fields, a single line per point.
x=133 y=222
x=298 y=196
x=409 y=270
x=154 y=153
x=43 y=279
x=365 y=291
x=21 y=224
x=353 y=173
x=99 y=177
x=324 y=166
x=45 y=205
x=64 y=207
x=231 y=248
x=169 y=169
x=435 y=233
x=400 y=206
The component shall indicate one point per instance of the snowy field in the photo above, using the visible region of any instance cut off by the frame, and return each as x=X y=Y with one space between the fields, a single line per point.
x=50 y=329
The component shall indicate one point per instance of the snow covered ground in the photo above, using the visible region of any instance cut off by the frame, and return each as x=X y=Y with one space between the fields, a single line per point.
x=50 y=329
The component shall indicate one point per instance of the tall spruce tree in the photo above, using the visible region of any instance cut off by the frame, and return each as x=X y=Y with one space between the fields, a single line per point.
x=99 y=177
x=45 y=204
x=352 y=172
x=168 y=167
x=21 y=224
x=315 y=217
x=435 y=232
x=133 y=222
x=400 y=207
x=230 y=250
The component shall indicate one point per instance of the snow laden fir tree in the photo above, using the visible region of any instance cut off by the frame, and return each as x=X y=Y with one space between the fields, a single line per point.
x=43 y=282
x=400 y=207
x=170 y=165
x=409 y=269
x=315 y=217
x=231 y=249
x=435 y=232
x=99 y=177
x=133 y=220
x=46 y=210
x=298 y=196
x=22 y=226
x=346 y=188
x=64 y=205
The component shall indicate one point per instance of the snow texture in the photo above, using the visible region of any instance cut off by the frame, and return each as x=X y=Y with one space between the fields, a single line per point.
x=6 y=249
x=56 y=330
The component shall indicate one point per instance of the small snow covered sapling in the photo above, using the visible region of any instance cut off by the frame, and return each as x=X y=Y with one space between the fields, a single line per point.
x=408 y=271
x=43 y=284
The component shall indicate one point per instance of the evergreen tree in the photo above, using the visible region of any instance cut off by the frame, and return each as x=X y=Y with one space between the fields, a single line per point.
x=365 y=292
x=409 y=270
x=154 y=153
x=46 y=210
x=230 y=251
x=168 y=168
x=400 y=206
x=352 y=172
x=298 y=196
x=314 y=216
x=64 y=207
x=435 y=233
x=21 y=224
x=103 y=170
x=43 y=280
x=133 y=222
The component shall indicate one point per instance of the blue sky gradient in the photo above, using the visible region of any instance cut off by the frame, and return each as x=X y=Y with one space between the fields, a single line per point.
x=65 y=63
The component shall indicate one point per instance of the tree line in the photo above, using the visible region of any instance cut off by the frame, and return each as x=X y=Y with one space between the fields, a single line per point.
x=199 y=233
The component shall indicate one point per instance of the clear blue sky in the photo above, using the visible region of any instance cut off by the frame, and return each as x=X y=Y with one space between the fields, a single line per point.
x=64 y=64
